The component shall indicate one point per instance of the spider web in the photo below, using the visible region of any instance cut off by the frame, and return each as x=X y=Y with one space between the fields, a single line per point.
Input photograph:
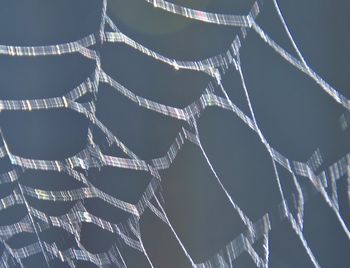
x=296 y=181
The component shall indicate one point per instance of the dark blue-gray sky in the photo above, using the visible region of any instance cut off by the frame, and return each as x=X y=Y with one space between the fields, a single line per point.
x=295 y=115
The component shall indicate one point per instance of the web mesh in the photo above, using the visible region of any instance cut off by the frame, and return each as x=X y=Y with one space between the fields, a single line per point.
x=306 y=178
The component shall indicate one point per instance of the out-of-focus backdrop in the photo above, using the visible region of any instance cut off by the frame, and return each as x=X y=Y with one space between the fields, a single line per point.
x=295 y=115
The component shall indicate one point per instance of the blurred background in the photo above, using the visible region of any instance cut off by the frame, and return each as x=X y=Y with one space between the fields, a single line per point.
x=294 y=114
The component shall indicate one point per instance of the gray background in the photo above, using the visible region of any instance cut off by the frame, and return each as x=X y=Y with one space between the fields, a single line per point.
x=295 y=115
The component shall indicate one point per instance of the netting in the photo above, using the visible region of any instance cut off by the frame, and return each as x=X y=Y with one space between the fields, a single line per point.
x=294 y=182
